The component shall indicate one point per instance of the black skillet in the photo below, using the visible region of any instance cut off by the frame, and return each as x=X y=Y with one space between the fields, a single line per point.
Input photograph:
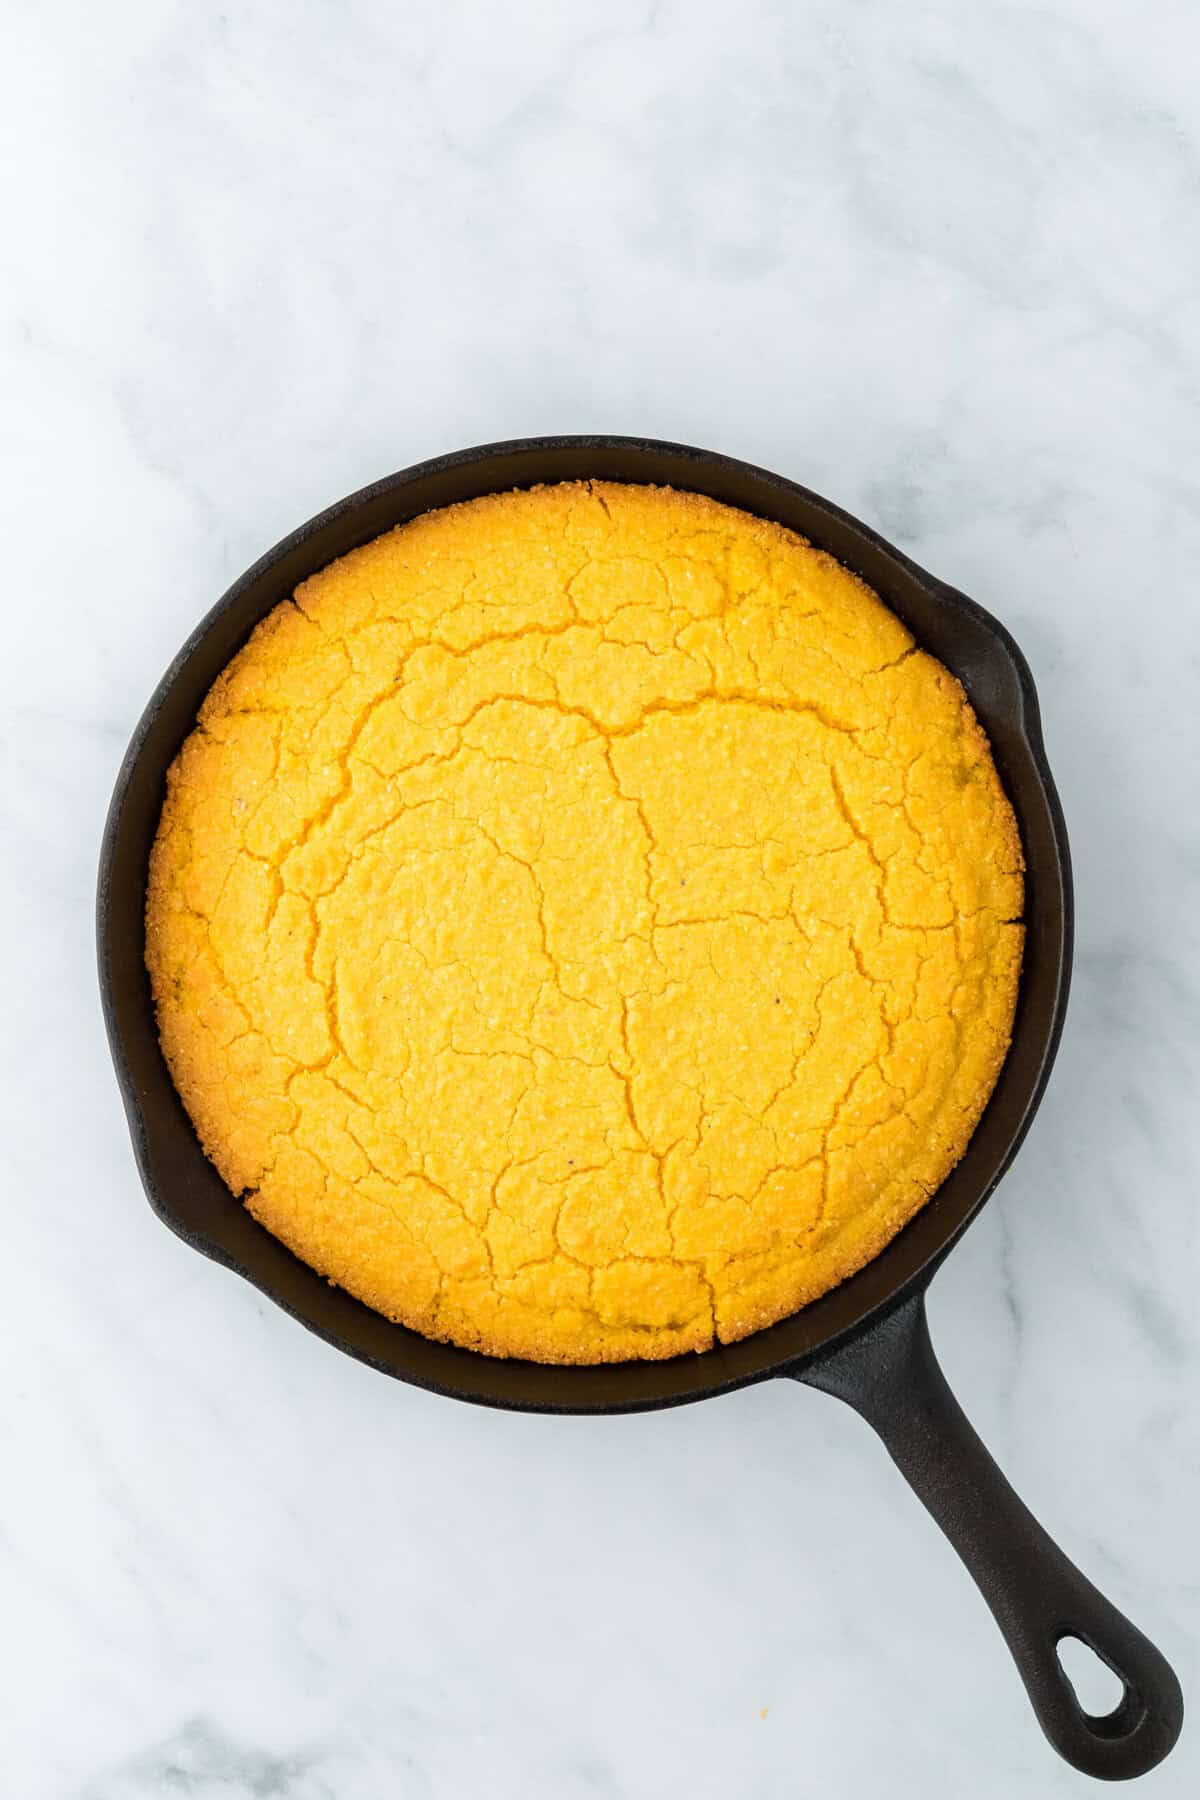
x=867 y=1341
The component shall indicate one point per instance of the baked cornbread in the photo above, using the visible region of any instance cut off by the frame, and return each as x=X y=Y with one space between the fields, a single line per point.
x=583 y=924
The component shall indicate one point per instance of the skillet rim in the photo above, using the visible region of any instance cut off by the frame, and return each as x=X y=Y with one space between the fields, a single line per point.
x=512 y=1384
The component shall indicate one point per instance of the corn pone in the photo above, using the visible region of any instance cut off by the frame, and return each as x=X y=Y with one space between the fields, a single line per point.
x=583 y=925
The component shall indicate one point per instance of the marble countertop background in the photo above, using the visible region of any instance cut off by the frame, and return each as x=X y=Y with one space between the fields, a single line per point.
x=941 y=263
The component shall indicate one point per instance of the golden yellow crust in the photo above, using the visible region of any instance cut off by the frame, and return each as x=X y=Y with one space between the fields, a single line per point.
x=582 y=924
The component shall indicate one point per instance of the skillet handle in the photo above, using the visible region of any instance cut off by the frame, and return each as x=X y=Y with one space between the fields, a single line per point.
x=889 y=1375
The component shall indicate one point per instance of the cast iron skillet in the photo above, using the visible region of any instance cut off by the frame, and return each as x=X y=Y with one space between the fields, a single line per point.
x=865 y=1342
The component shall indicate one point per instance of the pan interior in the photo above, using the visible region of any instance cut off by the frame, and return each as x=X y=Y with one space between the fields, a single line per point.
x=187 y=1192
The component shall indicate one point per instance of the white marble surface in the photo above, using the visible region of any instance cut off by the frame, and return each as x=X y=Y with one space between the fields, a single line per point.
x=940 y=263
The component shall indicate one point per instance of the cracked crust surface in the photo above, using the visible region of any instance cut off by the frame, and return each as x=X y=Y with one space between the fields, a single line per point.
x=583 y=925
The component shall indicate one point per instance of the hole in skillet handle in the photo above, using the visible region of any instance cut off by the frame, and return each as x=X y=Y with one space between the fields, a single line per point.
x=889 y=1374
x=1095 y=1683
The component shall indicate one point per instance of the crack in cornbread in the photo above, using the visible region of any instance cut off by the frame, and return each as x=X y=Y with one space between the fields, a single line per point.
x=583 y=924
